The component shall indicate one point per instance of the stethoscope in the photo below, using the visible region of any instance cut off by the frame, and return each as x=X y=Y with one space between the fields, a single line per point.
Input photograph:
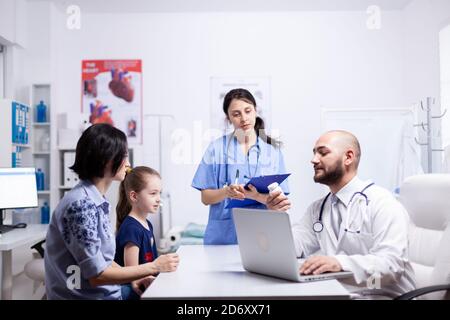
x=226 y=146
x=318 y=225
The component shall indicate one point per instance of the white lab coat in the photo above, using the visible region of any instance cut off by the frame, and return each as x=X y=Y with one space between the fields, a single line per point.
x=378 y=255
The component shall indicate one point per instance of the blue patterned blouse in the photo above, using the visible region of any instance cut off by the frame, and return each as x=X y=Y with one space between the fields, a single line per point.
x=80 y=245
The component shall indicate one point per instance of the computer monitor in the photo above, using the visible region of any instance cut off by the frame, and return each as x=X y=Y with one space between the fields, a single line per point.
x=17 y=190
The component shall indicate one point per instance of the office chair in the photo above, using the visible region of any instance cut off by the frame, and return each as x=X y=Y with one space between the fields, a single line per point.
x=34 y=269
x=427 y=199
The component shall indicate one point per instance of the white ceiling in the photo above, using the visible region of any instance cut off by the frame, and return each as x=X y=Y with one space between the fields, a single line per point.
x=136 y=6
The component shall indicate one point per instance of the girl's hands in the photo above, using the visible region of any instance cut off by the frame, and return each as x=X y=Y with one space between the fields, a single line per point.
x=167 y=262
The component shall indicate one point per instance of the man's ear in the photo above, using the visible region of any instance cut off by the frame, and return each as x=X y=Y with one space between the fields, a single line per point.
x=349 y=157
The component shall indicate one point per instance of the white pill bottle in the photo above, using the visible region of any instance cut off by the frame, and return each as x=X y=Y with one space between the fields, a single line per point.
x=274 y=187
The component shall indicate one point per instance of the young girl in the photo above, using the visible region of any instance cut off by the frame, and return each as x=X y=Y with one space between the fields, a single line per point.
x=139 y=195
x=80 y=244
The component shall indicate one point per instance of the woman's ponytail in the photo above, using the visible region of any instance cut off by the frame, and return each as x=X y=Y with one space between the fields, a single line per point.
x=261 y=132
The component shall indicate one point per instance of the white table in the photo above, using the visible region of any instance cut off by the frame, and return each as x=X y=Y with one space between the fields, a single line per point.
x=213 y=272
x=32 y=234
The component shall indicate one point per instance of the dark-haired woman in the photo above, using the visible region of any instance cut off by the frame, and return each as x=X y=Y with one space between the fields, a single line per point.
x=80 y=246
x=229 y=163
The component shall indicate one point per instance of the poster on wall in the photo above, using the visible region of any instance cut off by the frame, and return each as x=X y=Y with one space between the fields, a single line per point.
x=259 y=87
x=112 y=93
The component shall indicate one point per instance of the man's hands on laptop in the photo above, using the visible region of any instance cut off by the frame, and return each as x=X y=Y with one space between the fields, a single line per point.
x=320 y=264
x=278 y=201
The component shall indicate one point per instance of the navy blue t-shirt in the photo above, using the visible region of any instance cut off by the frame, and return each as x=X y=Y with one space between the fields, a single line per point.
x=133 y=231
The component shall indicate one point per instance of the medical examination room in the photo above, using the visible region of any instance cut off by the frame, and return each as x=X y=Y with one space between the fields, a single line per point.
x=225 y=150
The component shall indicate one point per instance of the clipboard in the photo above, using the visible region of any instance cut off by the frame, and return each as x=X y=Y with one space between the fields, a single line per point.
x=234 y=203
x=260 y=183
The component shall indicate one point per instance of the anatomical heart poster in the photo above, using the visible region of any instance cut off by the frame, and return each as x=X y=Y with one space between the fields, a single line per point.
x=112 y=93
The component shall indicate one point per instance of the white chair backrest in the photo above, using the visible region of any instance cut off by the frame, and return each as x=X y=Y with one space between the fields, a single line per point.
x=427 y=200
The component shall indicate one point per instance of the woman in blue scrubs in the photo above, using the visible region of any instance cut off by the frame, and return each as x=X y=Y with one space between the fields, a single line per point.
x=229 y=163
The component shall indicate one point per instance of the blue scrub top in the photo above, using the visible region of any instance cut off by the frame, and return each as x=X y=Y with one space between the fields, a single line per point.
x=218 y=167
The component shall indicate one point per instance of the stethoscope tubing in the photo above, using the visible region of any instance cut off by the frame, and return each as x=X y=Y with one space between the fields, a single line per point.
x=226 y=147
x=318 y=225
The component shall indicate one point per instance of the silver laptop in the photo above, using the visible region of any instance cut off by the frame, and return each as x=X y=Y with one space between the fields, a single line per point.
x=267 y=246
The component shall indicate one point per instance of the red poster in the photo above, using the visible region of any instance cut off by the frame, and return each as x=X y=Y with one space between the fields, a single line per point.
x=112 y=93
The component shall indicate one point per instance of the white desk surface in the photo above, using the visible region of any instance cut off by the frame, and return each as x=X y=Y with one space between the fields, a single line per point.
x=33 y=233
x=217 y=272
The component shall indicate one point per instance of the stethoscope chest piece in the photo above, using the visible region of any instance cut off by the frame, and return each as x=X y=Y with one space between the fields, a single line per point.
x=318 y=226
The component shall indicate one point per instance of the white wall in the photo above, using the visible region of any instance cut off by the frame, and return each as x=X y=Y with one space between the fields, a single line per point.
x=423 y=20
x=7 y=31
x=444 y=42
x=37 y=55
x=315 y=59
x=13 y=22
x=2 y=74
x=21 y=23
x=13 y=34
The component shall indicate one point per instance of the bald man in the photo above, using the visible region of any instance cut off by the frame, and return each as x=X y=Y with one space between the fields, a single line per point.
x=358 y=226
